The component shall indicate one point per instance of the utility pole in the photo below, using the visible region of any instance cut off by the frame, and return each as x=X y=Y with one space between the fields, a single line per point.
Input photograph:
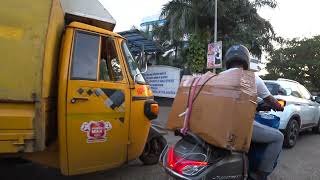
x=215 y=20
x=215 y=26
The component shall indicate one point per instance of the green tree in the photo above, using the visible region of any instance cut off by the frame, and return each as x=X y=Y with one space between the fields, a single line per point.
x=238 y=22
x=196 y=54
x=298 y=60
x=162 y=36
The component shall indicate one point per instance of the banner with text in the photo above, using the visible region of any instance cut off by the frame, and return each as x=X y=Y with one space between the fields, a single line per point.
x=164 y=80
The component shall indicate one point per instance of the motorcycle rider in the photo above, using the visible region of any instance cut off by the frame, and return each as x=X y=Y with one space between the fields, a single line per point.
x=238 y=56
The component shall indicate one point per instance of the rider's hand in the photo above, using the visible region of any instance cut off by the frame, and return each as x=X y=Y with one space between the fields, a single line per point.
x=273 y=102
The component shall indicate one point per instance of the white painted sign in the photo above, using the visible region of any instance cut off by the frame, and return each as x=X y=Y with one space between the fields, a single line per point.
x=164 y=80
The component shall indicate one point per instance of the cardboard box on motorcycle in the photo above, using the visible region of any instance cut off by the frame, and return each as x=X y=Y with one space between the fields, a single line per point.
x=223 y=112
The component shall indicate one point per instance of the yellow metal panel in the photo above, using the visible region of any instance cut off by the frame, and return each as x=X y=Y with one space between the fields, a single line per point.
x=122 y=57
x=49 y=117
x=78 y=154
x=51 y=56
x=9 y=147
x=12 y=141
x=16 y=122
x=45 y=123
x=23 y=28
x=93 y=29
x=6 y=135
x=16 y=116
x=139 y=123
x=62 y=90
x=16 y=126
x=89 y=157
x=11 y=33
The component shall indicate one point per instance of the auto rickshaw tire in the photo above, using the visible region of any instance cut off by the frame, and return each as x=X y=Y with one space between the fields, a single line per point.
x=152 y=150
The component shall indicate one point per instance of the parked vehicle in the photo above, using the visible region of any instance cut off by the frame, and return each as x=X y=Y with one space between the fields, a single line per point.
x=71 y=95
x=191 y=158
x=301 y=111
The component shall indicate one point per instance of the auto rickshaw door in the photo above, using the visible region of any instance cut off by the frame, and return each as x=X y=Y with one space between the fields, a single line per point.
x=97 y=101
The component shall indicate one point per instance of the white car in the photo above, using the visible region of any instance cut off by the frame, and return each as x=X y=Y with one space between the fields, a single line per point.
x=301 y=111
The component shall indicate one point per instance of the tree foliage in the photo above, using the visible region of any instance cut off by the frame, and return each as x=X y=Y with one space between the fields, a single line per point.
x=238 y=22
x=196 y=54
x=298 y=60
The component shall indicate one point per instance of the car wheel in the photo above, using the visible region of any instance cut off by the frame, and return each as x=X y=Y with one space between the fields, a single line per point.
x=316 y=129
x=152 y=150
x=291 y=133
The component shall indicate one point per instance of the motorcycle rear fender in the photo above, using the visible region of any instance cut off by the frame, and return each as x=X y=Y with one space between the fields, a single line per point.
x=233 y=167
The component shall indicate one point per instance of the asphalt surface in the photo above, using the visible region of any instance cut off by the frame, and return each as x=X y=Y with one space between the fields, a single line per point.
x=299 y=163
x=302 y=162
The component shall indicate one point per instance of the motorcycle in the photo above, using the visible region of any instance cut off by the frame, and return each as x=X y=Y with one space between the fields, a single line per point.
x=192 y=158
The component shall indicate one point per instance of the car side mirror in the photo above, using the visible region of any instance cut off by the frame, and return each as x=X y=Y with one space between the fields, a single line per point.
x=288 y=92
x=317 y=99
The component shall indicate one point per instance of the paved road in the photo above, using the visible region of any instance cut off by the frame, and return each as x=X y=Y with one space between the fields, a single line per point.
x=300 y=163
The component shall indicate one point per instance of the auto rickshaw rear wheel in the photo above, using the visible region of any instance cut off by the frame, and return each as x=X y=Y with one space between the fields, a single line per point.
x=152 y=150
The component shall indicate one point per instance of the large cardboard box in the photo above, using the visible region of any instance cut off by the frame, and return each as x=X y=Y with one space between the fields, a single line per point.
x=223 y=112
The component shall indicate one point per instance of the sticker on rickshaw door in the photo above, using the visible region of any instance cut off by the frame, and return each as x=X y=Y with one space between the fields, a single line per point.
x=96 y=131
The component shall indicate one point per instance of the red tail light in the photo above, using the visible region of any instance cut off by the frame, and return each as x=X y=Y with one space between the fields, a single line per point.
x=183 y=166
x=171 y=158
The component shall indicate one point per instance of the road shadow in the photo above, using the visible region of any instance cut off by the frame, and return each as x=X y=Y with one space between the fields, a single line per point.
x=305 y=135
x=19 y=169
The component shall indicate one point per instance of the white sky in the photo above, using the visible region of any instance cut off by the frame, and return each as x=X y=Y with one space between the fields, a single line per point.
x=130 y=12
x=292 y=18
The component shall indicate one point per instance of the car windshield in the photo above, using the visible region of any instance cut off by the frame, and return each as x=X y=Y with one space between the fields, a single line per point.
x=276 y=89
x=134 y=70
x=273 y=88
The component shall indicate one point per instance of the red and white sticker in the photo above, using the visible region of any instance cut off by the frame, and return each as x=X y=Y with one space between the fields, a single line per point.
x=96 y=130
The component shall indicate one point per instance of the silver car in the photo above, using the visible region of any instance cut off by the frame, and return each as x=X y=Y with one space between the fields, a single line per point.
x=301 y=110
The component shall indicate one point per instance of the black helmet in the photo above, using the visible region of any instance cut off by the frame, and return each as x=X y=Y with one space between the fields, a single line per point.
x=237 y=54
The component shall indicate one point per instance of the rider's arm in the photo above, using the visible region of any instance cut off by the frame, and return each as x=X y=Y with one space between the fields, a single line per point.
x=265 y=94
x=273 y=102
